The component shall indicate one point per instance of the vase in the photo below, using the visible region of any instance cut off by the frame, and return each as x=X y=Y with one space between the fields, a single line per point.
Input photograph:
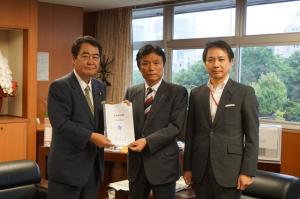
x=13 y=94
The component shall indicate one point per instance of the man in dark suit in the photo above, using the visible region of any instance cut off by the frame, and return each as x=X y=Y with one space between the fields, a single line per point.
x=75 y=162
x=159 y=111
x=221 y=146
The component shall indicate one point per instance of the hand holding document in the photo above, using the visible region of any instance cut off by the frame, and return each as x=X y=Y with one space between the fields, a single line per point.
x=119 y=123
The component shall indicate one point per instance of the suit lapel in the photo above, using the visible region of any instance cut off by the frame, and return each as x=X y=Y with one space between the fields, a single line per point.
x=138 y=106
x=81 y=97
x=206 y=103
x=137 y=96
x=98 y=97
x=225 y=97
x=201 y=102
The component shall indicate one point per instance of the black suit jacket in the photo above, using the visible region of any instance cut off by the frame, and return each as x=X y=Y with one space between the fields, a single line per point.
x=161 y=128
x=230 y=142
x=72 y=156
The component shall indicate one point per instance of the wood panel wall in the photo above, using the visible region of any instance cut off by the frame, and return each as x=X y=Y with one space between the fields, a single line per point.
x=22 y=14
x=58 y=27
x=290 y=161
x=90 y=23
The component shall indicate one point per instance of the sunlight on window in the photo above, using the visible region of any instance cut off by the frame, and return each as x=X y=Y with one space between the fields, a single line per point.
x=273 y=18
x=214 y=23
x=147 y=29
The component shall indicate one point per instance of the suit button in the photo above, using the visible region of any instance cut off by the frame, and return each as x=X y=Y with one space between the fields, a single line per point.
x=211 y=133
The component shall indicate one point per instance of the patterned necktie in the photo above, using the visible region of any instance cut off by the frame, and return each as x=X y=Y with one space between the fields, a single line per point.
x=148 y=101
x=88 y=98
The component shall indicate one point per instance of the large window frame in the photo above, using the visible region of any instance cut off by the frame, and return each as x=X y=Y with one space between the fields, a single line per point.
x=238 y=41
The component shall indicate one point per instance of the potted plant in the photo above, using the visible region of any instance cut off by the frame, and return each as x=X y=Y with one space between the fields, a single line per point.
x=104 y=70
x=7 y=85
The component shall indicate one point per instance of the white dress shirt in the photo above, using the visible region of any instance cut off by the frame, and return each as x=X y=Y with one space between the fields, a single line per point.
x=215 y=96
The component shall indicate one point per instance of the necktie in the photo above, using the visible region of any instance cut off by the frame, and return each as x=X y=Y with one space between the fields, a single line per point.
x=148 y=100
x=88 y=98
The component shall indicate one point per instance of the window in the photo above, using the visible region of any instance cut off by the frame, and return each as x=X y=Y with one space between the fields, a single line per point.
x=274 y=72
x=147 y=25
x=137 y=77
x=264 y=35
x=282 y=17
x=188 y=69
x=204 y=20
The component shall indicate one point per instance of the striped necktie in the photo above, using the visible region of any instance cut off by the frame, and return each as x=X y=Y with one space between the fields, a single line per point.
x=88 y=98
x=148 y=101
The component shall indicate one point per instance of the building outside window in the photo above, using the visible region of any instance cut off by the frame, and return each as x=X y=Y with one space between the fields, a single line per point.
x=265 y=36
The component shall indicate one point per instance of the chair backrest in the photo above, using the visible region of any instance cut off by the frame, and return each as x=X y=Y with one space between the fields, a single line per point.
x=18 y=179
x=274 y=186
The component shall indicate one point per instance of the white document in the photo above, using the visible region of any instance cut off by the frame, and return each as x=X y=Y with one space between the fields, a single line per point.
x=47 y=132
x=119 y=123
x=180 y=184
x=47 y=136
x=120 y=185
x=43 y=66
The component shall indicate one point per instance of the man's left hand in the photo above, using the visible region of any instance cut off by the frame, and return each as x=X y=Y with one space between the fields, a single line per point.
x=243 y=182
x=138 y=145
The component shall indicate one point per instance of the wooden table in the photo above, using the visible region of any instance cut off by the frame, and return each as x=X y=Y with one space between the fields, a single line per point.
x=115 y=168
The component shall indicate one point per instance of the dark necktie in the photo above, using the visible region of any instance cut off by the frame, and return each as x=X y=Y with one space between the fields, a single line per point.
x=88 y=98
x=148 y=100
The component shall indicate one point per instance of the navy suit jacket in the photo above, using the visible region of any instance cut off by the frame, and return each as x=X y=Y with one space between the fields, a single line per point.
x=230 y=142
x=164 y=122
x=72 y=156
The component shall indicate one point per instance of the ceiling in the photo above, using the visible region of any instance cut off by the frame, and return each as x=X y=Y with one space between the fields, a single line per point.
x=94 y=5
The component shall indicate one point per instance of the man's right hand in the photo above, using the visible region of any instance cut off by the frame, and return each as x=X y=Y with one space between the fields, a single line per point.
x=100 y=140
x=187 y=175
x=126 y=102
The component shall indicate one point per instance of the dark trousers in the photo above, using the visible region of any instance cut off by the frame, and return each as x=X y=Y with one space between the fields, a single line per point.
x=140 y=189
x=57 y=190
x=208 y=188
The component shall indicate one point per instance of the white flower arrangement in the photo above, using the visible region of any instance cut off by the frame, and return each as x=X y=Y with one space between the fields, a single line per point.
x=5 y=76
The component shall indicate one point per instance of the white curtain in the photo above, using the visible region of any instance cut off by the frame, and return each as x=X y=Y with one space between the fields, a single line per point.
x=114 y=34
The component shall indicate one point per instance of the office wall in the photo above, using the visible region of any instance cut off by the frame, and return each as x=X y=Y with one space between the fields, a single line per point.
x=22 y=15
x=58 y=26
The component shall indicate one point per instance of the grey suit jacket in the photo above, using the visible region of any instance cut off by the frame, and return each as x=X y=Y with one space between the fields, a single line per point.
x=161 y=128
x=230 y=142
x=72 y=156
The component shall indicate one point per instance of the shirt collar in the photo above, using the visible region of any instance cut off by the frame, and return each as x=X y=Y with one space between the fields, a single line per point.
x=81 y=82
x=220 y=86
x=154 y=87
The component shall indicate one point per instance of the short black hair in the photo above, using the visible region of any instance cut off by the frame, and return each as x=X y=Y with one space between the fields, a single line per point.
x=218 y=44
x=148 y=49
x=84 y=39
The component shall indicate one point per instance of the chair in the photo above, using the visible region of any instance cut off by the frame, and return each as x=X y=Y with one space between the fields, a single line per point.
x=19 y=180
x=270 y=185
